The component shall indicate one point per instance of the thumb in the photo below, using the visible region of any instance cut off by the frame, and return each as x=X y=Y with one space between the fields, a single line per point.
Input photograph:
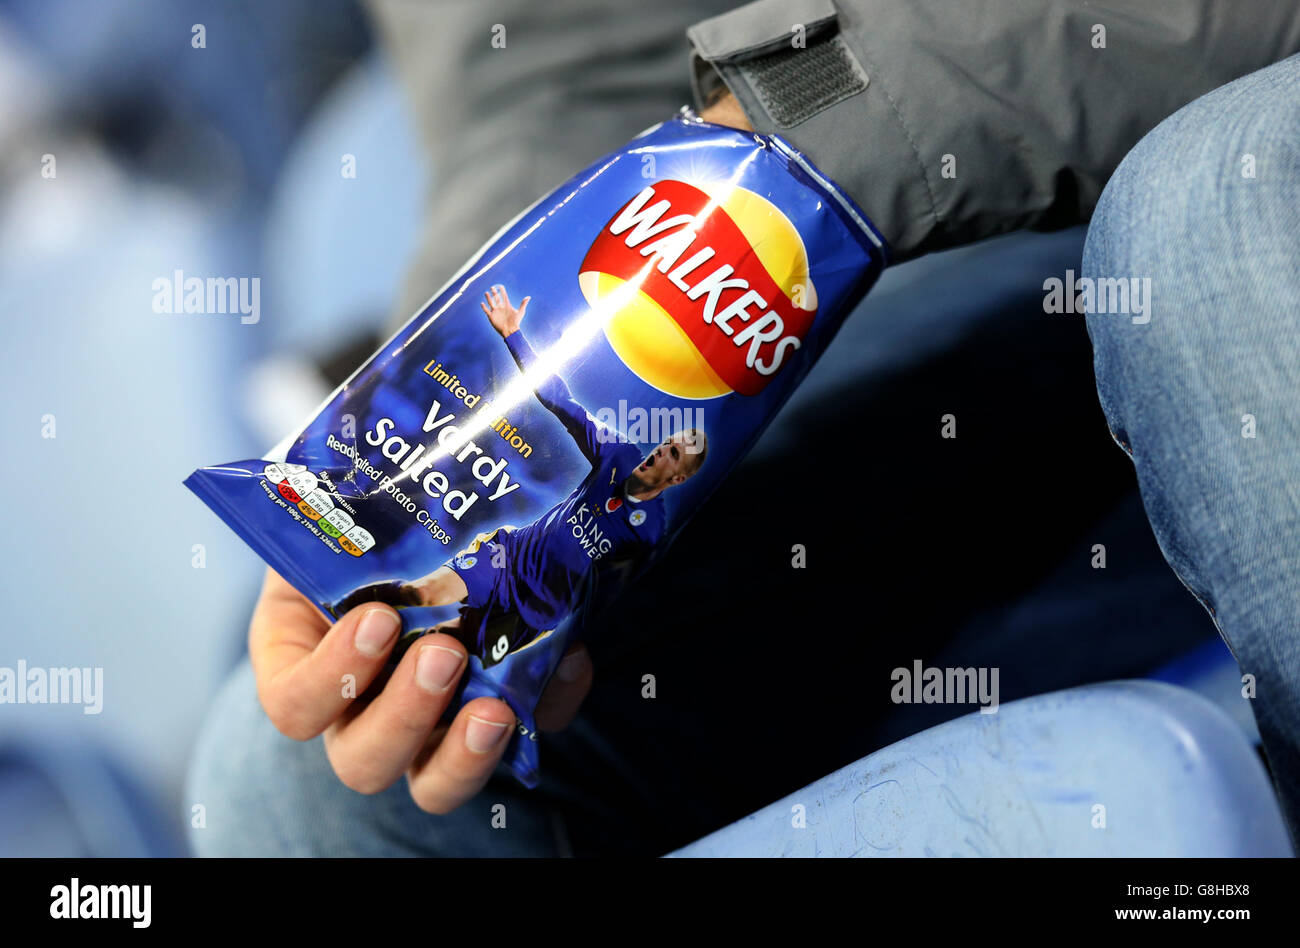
x=523 y=305
x=565 y=691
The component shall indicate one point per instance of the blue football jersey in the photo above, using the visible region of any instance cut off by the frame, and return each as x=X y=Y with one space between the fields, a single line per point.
x=549 y=561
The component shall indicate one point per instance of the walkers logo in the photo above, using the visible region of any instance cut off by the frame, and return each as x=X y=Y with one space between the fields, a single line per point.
x=723 y=296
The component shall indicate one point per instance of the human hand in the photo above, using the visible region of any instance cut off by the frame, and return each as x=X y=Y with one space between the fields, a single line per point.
x=726 y=110
x=391 y=727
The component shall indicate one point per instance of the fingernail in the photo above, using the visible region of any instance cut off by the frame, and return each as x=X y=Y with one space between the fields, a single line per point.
x=437 y=668
x=573 y=666
x=482 y=736
x=376 y=631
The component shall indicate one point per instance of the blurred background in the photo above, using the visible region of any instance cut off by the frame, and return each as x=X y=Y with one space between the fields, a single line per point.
x=227 y=158
x=217 y=159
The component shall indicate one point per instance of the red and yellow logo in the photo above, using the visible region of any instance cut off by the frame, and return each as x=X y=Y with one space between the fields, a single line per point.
x=709 y=288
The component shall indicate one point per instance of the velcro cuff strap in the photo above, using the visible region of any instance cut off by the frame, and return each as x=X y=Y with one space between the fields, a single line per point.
x=796 y=83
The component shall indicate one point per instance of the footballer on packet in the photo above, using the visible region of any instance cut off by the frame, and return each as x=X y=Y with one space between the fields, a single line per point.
x=497 y=477
x=538 y=572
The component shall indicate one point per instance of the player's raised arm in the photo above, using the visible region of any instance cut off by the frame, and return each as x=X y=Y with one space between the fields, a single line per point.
x=551 y=391
x=505 y=318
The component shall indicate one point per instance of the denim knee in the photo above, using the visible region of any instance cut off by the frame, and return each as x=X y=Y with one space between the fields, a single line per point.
x=1200 y=223
x=259 y=793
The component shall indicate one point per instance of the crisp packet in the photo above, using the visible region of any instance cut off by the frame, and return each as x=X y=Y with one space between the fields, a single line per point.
x=536 y=435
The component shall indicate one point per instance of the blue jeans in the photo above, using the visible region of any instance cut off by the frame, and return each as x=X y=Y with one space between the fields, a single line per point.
x=1174 y=390
x=1205 y=397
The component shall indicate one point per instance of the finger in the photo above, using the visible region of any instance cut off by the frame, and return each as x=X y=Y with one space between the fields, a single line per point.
x=372 y=745
x=487 y=310
x=300 y=662
x=490 y=299
x=523 y=305
x=566 y=690
x=445 y=776
x=503 y=296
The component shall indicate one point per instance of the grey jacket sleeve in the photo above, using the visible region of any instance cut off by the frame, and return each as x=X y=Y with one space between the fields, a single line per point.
x=953 y=120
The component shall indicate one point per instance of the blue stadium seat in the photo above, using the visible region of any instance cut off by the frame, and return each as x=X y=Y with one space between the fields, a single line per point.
x=62 y=796
x=1127 y=768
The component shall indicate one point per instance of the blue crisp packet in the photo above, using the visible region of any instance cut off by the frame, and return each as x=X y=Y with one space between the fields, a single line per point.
x=541 y=429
